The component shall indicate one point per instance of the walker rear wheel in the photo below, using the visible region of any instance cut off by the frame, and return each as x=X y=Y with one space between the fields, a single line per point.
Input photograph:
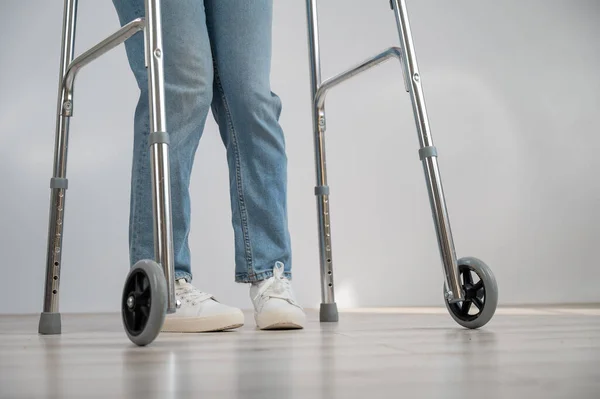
x=144 y=302
x=481 y=294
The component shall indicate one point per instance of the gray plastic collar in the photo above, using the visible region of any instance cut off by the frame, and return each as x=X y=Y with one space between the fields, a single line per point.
x=59 y=182
x=427 y=152
x=322 y=190
x=159 y=137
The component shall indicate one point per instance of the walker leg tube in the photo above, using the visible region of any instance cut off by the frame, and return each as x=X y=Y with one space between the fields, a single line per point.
x=50 y=322
x=428 y=155
x=159 y=149
x=329 y=312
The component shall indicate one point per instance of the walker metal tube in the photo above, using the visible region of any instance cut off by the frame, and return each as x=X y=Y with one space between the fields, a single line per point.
x=50 y=318
x=428 y=155
x=98 y=50
x=392 y=52
x=313 y=44
x=59 y=181
x=50 y=322
x=159 y=147
x=328 y=312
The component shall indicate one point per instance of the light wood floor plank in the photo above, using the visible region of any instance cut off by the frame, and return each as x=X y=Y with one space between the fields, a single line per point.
x=393 y=353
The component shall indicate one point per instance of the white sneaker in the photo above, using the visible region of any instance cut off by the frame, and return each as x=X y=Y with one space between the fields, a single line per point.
x=274 y=304
x=200 y=312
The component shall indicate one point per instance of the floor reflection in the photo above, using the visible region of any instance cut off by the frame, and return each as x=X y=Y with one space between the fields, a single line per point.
x=477 y=352
x=272 y=375
x=53 y=361
x=328 y=352
x=154 y=372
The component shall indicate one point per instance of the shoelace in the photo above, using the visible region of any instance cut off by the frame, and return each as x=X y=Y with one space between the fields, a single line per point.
x=277 y=286
x=191 y=294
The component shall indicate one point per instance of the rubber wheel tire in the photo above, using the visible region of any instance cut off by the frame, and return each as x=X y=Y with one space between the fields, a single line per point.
x=486 y=296
x=144 y=302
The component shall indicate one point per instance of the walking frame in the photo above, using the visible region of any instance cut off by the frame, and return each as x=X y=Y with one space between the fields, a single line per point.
x=459 y=296
x=148 y=293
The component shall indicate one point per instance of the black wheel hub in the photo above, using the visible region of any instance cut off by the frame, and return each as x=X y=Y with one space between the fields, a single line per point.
x=474 y=296
x=136 y=302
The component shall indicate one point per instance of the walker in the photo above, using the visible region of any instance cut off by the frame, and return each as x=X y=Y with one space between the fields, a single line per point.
x=149 y=290
x=461 y=291
x=149 y=293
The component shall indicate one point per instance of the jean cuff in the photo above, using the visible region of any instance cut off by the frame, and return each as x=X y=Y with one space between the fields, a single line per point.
x=255 y=277
x=179 y=274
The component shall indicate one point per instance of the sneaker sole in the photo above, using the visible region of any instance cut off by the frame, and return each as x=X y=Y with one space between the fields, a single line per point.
x=283 y=326
x=202 y=324
x=279 y=322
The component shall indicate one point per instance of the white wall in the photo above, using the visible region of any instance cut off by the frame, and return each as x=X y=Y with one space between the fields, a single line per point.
x=512 y=92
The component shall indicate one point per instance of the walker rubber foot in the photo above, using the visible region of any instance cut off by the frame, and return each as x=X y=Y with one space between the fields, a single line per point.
x=329 y=313
x=49 y=324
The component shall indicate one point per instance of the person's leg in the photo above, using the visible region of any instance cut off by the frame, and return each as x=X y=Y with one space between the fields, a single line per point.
x=248 y=116
x=188 y=79
x=247 y=112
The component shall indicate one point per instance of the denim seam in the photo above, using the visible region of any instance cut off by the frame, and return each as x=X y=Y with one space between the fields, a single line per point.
x=238 y=174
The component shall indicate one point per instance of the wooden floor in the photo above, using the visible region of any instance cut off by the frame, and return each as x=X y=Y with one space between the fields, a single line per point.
x=376 y=353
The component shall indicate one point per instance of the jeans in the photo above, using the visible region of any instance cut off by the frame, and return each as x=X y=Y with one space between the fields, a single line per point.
x=217 y=56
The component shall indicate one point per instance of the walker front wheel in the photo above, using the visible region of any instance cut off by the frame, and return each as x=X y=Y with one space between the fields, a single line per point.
x=481 y=294
x=144 y=302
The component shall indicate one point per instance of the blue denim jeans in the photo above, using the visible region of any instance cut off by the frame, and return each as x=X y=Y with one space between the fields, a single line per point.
x=217 y=56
